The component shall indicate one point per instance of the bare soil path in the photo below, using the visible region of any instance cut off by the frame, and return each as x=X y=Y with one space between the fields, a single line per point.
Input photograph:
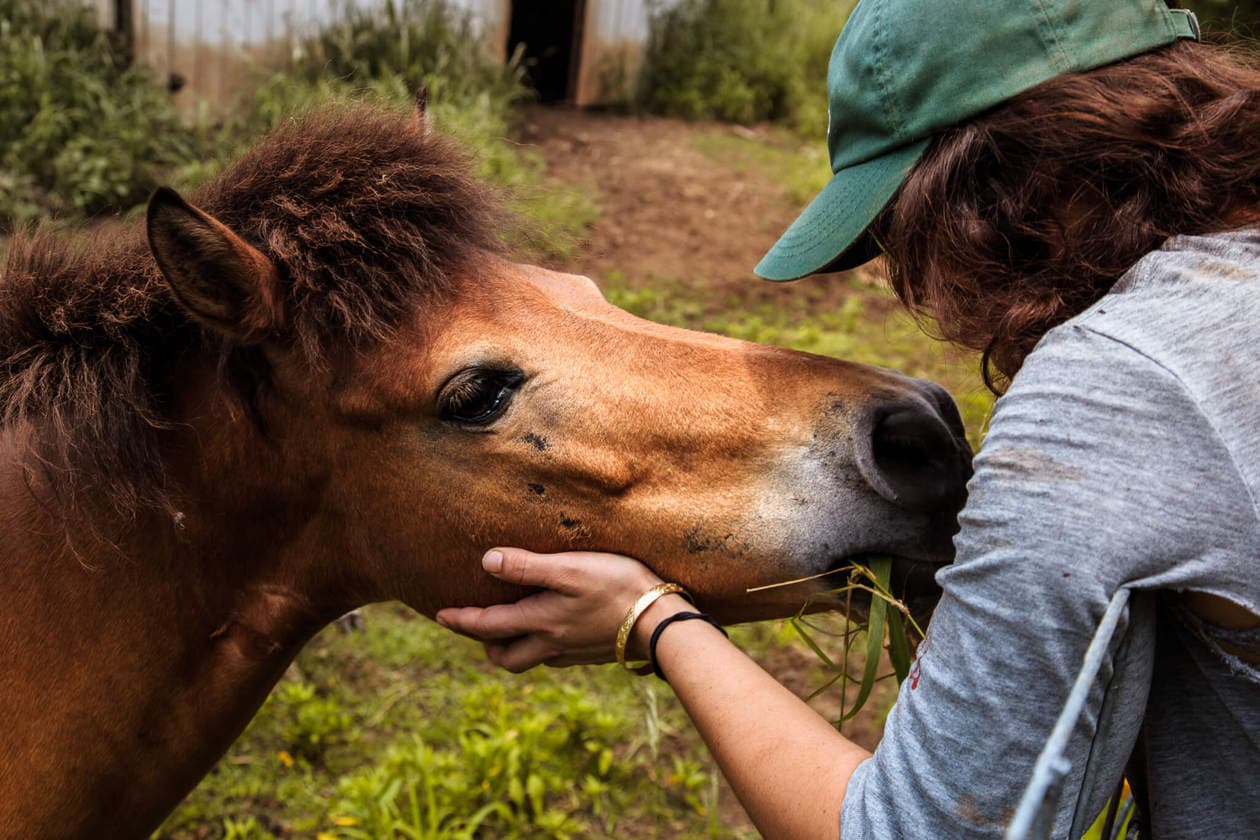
x=667 y=209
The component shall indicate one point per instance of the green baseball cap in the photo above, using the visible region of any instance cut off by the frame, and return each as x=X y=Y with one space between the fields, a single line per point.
x=903 y=70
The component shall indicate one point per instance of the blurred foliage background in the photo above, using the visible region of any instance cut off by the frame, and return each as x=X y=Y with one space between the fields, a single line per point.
x=1239 y=16
x=84 y=132
x=401 y=731
x=742 y=61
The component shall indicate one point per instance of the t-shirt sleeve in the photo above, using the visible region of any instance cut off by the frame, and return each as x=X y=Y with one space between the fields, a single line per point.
x=1098 y=471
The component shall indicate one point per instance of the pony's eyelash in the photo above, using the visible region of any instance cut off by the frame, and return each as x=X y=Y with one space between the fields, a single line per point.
x=463 y=391
x=477 y=396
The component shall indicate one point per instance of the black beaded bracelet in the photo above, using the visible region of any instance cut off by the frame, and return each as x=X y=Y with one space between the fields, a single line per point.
x=660 y=628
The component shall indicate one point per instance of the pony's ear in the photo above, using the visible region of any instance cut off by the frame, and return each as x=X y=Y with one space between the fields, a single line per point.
x=419 y=117
x=222 y=280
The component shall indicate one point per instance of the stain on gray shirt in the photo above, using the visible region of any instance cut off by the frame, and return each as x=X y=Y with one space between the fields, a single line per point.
x=1126 y=453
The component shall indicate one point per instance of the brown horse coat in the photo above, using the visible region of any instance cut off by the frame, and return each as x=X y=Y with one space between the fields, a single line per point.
x=319 y=387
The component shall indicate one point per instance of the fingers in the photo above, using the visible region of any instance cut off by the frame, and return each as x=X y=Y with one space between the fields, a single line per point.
x=502 y=621
x=519 y=655
x=574 y=620
x=516 y=565
x=570 y=573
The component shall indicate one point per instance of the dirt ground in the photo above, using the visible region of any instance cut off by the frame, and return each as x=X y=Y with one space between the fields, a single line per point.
x=667 y=210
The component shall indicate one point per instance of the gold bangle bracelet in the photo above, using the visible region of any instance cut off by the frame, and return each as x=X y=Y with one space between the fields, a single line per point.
x=640 y=606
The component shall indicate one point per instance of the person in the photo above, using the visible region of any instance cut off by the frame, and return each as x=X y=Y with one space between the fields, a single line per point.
x=1073 y=189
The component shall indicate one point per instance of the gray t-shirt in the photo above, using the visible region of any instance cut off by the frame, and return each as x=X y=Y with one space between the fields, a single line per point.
x=1126 y=453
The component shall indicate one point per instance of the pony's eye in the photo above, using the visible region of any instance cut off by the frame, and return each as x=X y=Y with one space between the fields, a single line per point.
x=477 y=396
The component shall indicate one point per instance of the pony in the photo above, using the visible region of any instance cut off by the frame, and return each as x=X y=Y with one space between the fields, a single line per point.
x=320 y=383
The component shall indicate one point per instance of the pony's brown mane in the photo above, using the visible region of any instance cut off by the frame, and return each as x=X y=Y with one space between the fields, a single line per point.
x=365 y=215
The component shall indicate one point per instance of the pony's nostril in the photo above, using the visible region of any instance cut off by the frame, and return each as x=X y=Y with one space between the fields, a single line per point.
x=915 y=460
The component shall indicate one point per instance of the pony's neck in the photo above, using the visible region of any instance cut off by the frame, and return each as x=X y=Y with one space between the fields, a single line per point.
x=133 y=653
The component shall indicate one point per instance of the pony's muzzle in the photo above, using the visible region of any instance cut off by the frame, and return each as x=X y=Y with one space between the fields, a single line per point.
x=915 y=454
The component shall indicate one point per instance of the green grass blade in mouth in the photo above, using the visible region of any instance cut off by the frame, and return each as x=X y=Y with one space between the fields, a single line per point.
x=799 y=626
x=898 y=646
x=887 y=617
x=874 y=635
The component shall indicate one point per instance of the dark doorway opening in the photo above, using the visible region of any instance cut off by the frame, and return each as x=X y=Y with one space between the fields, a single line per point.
x=551 y=32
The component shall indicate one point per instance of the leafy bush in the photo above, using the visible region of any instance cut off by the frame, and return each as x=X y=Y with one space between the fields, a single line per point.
x=748 y=61
x=81 y=131
x=742 y=60
x=386 y=54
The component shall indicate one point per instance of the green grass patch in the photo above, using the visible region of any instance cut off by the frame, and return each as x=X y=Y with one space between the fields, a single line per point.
x=800 y=168
x=402 y=730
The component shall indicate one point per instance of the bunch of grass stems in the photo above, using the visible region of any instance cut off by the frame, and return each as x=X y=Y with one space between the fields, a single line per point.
x=888 y=617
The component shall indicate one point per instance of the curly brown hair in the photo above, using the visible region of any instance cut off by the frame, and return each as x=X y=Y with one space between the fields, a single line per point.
x=1020 y=219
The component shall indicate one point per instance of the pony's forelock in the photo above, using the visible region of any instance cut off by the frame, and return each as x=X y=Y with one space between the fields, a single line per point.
x=366 y=217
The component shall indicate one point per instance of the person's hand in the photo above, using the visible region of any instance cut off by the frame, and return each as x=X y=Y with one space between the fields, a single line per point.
x=573 y=621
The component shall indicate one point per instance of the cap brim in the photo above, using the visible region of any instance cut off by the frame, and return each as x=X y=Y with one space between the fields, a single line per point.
x=829 y=233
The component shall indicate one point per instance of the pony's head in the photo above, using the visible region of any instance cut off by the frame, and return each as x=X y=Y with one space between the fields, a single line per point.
x=331 y=360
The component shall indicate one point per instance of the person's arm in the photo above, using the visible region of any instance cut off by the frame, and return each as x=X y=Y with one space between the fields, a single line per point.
x=787 y=765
